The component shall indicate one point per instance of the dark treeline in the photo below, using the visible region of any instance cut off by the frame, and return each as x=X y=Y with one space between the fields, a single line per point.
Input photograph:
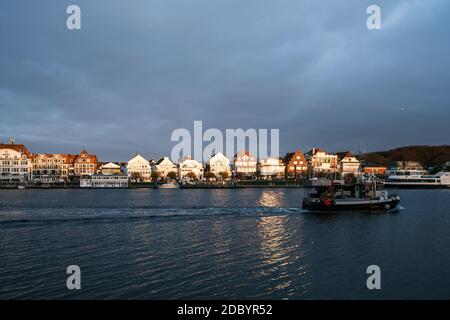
x=428 y=156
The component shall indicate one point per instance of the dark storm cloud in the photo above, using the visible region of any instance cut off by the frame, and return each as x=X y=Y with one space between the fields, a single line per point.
x=136 y=71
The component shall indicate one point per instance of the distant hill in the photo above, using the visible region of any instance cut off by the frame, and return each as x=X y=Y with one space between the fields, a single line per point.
x=428 y=156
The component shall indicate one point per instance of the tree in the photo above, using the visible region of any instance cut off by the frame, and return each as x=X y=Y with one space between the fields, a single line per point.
x=321 y=174
x=428 y=156
x=156 y=175
x=209 y=175
x=191 y=176
x=224 y=175
x=172 y=175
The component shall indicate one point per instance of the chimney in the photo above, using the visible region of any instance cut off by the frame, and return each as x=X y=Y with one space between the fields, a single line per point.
x=11 y=141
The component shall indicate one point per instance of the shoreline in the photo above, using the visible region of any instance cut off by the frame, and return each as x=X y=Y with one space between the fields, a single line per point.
x=204 y=187
x=237 y=185
x=152 y=185
x=156 y=188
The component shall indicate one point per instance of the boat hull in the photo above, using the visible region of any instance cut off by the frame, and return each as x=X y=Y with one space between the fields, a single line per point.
x=415 y=186
x=359 y=206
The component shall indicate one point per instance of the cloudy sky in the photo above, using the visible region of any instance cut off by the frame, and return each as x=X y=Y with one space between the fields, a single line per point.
x=137 y=70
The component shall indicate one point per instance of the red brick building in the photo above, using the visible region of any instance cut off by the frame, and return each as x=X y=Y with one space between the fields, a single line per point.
x=84 y=164
x=296 y=163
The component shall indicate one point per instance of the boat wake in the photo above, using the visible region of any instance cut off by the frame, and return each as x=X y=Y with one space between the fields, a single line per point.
x=397 y=209
x=96 y=215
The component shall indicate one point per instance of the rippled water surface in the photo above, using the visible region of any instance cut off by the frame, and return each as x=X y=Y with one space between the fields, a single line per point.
x=249 y=243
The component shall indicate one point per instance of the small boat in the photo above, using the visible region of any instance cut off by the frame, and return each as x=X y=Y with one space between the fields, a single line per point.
x=169 y=185
x=21 y=186
x=363 y=194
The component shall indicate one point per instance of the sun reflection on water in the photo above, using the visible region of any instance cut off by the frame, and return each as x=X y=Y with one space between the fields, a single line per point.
x=280 y=247
x=271 y=198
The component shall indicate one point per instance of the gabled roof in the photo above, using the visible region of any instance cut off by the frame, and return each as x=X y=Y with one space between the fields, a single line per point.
x=290 y=156
x=242 y=153
x=186 y=158
x=315 y=151
x=189 y=159
x=110 y=165
x=16 y=147
x=342 y=155
x=219 y=158
x=218 y=155
x=138 y=157
x=164 y=159
x=69 y=157
x=92 y=157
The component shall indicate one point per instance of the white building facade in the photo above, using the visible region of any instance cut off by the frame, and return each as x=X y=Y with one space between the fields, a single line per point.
x=348 y=164
x=14 y=162
x=138 y=169
x=110 y=168
x=245 y=163
x=271 y=166
x=219 y=163
x=188 y=165
x=320 y=161
x=164 y=166
x=47 y=168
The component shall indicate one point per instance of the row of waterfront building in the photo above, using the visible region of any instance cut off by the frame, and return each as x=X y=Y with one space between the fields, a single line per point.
x=18 y=163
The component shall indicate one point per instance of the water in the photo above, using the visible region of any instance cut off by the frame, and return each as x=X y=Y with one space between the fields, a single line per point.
x=210 y=244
